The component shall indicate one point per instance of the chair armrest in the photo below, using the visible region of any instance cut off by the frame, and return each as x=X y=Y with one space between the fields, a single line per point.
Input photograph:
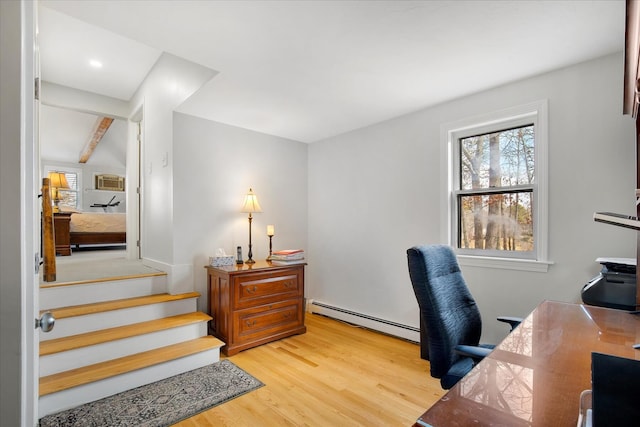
x=476 y=353
x=513 y=321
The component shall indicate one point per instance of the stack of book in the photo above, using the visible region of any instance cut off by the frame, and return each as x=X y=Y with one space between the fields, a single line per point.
x=288 y=256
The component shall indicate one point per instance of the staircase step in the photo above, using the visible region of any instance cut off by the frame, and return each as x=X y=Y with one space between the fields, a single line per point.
x=101 y=307
x=100 y=388
x=104 y=351
x=112 y=334
x=115 y=334
x=100 y=371
x=74 y=271
x=77 y=293
x=59 y=283
x=87 y=318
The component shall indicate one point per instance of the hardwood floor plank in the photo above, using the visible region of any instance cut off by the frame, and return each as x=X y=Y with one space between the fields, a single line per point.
x=302 y=359
x=334 y=375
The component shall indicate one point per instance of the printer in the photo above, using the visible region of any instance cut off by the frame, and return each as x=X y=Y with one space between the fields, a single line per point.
x=615 y=286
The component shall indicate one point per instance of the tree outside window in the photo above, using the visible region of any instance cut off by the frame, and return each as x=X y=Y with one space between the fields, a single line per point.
x=496 y=186
x=496 y=189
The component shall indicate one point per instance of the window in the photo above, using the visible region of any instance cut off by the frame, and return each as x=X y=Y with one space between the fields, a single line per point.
x=69 y=198
x=496 y=194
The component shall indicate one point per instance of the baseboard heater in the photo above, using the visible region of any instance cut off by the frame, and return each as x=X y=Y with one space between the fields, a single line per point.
x=399 y=330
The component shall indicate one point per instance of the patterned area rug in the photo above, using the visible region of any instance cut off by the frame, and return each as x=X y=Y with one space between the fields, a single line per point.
x=161 y=403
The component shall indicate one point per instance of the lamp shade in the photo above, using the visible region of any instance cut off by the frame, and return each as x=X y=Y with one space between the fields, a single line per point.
x=251 y=203
x=58 y=180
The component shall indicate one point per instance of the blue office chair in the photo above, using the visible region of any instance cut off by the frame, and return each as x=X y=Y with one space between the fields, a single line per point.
x=449 y=313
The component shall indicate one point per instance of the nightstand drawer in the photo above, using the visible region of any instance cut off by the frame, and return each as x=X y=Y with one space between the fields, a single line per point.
x=266 y=321
x=262 y=288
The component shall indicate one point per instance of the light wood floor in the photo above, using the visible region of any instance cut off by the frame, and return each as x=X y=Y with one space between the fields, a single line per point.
x=334 y=375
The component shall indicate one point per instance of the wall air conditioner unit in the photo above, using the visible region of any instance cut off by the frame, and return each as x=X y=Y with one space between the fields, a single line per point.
x=110 y=182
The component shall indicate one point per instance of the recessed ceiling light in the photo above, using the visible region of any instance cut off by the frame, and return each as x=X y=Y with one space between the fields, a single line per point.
x=95 y=64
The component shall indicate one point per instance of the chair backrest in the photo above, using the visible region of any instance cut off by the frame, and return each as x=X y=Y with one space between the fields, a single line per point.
x=446 y=305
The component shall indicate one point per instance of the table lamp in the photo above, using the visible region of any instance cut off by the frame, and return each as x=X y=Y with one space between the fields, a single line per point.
x=250 y=205
x=57 y=181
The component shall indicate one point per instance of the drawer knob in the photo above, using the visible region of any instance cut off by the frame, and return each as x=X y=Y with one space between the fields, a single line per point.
x=288 y=284
x=252 y=289
x=250 y=323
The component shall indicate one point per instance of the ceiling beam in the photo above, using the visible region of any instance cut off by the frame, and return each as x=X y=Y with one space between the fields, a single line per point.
x=101 y=127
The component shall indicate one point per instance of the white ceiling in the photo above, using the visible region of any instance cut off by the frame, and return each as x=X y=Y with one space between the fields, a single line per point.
x=308 y=70
x=68 y=44
x=64 y=133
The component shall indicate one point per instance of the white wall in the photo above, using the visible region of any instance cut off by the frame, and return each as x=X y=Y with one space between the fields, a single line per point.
x=88 y=195
x=375 y=192
x=78 y=100
x=64 y=134
x=214 y=166
x=170 y=82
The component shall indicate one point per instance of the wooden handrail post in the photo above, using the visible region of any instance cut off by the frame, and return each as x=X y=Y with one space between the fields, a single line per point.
x=48 y=237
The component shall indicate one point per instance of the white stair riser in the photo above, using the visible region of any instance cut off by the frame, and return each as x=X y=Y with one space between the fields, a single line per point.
x=77 y=358
x=109 y=319
x=87 y=293
x=73 y=397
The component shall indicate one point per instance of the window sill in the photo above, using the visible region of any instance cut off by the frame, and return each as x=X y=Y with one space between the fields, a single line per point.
x=504 y=263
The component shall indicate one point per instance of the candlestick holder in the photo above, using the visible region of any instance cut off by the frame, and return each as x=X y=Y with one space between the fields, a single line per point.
x=270 y=248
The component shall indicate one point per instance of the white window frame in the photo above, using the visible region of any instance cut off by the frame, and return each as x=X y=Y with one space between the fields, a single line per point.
x=450 y=133
x=53 y=168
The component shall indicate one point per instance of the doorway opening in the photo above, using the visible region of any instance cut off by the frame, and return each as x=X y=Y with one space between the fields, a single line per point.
x=96 y=203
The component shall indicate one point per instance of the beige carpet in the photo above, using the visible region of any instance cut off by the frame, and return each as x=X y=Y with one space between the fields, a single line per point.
x=96 y=265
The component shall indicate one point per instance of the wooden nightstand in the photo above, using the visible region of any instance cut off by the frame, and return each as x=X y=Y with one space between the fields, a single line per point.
x=61 y=224
x=255 y=304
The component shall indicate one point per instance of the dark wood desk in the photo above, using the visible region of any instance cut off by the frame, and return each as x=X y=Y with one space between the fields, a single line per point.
x=535 y=376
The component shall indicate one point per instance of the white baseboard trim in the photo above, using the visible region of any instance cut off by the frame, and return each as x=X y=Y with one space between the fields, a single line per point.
x=395 y=329
x=179 y=276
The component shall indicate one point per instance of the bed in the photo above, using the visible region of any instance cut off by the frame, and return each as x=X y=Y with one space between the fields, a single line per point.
x=95 y=228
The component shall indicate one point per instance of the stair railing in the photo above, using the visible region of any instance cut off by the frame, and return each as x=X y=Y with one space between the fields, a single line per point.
x=48 y=236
